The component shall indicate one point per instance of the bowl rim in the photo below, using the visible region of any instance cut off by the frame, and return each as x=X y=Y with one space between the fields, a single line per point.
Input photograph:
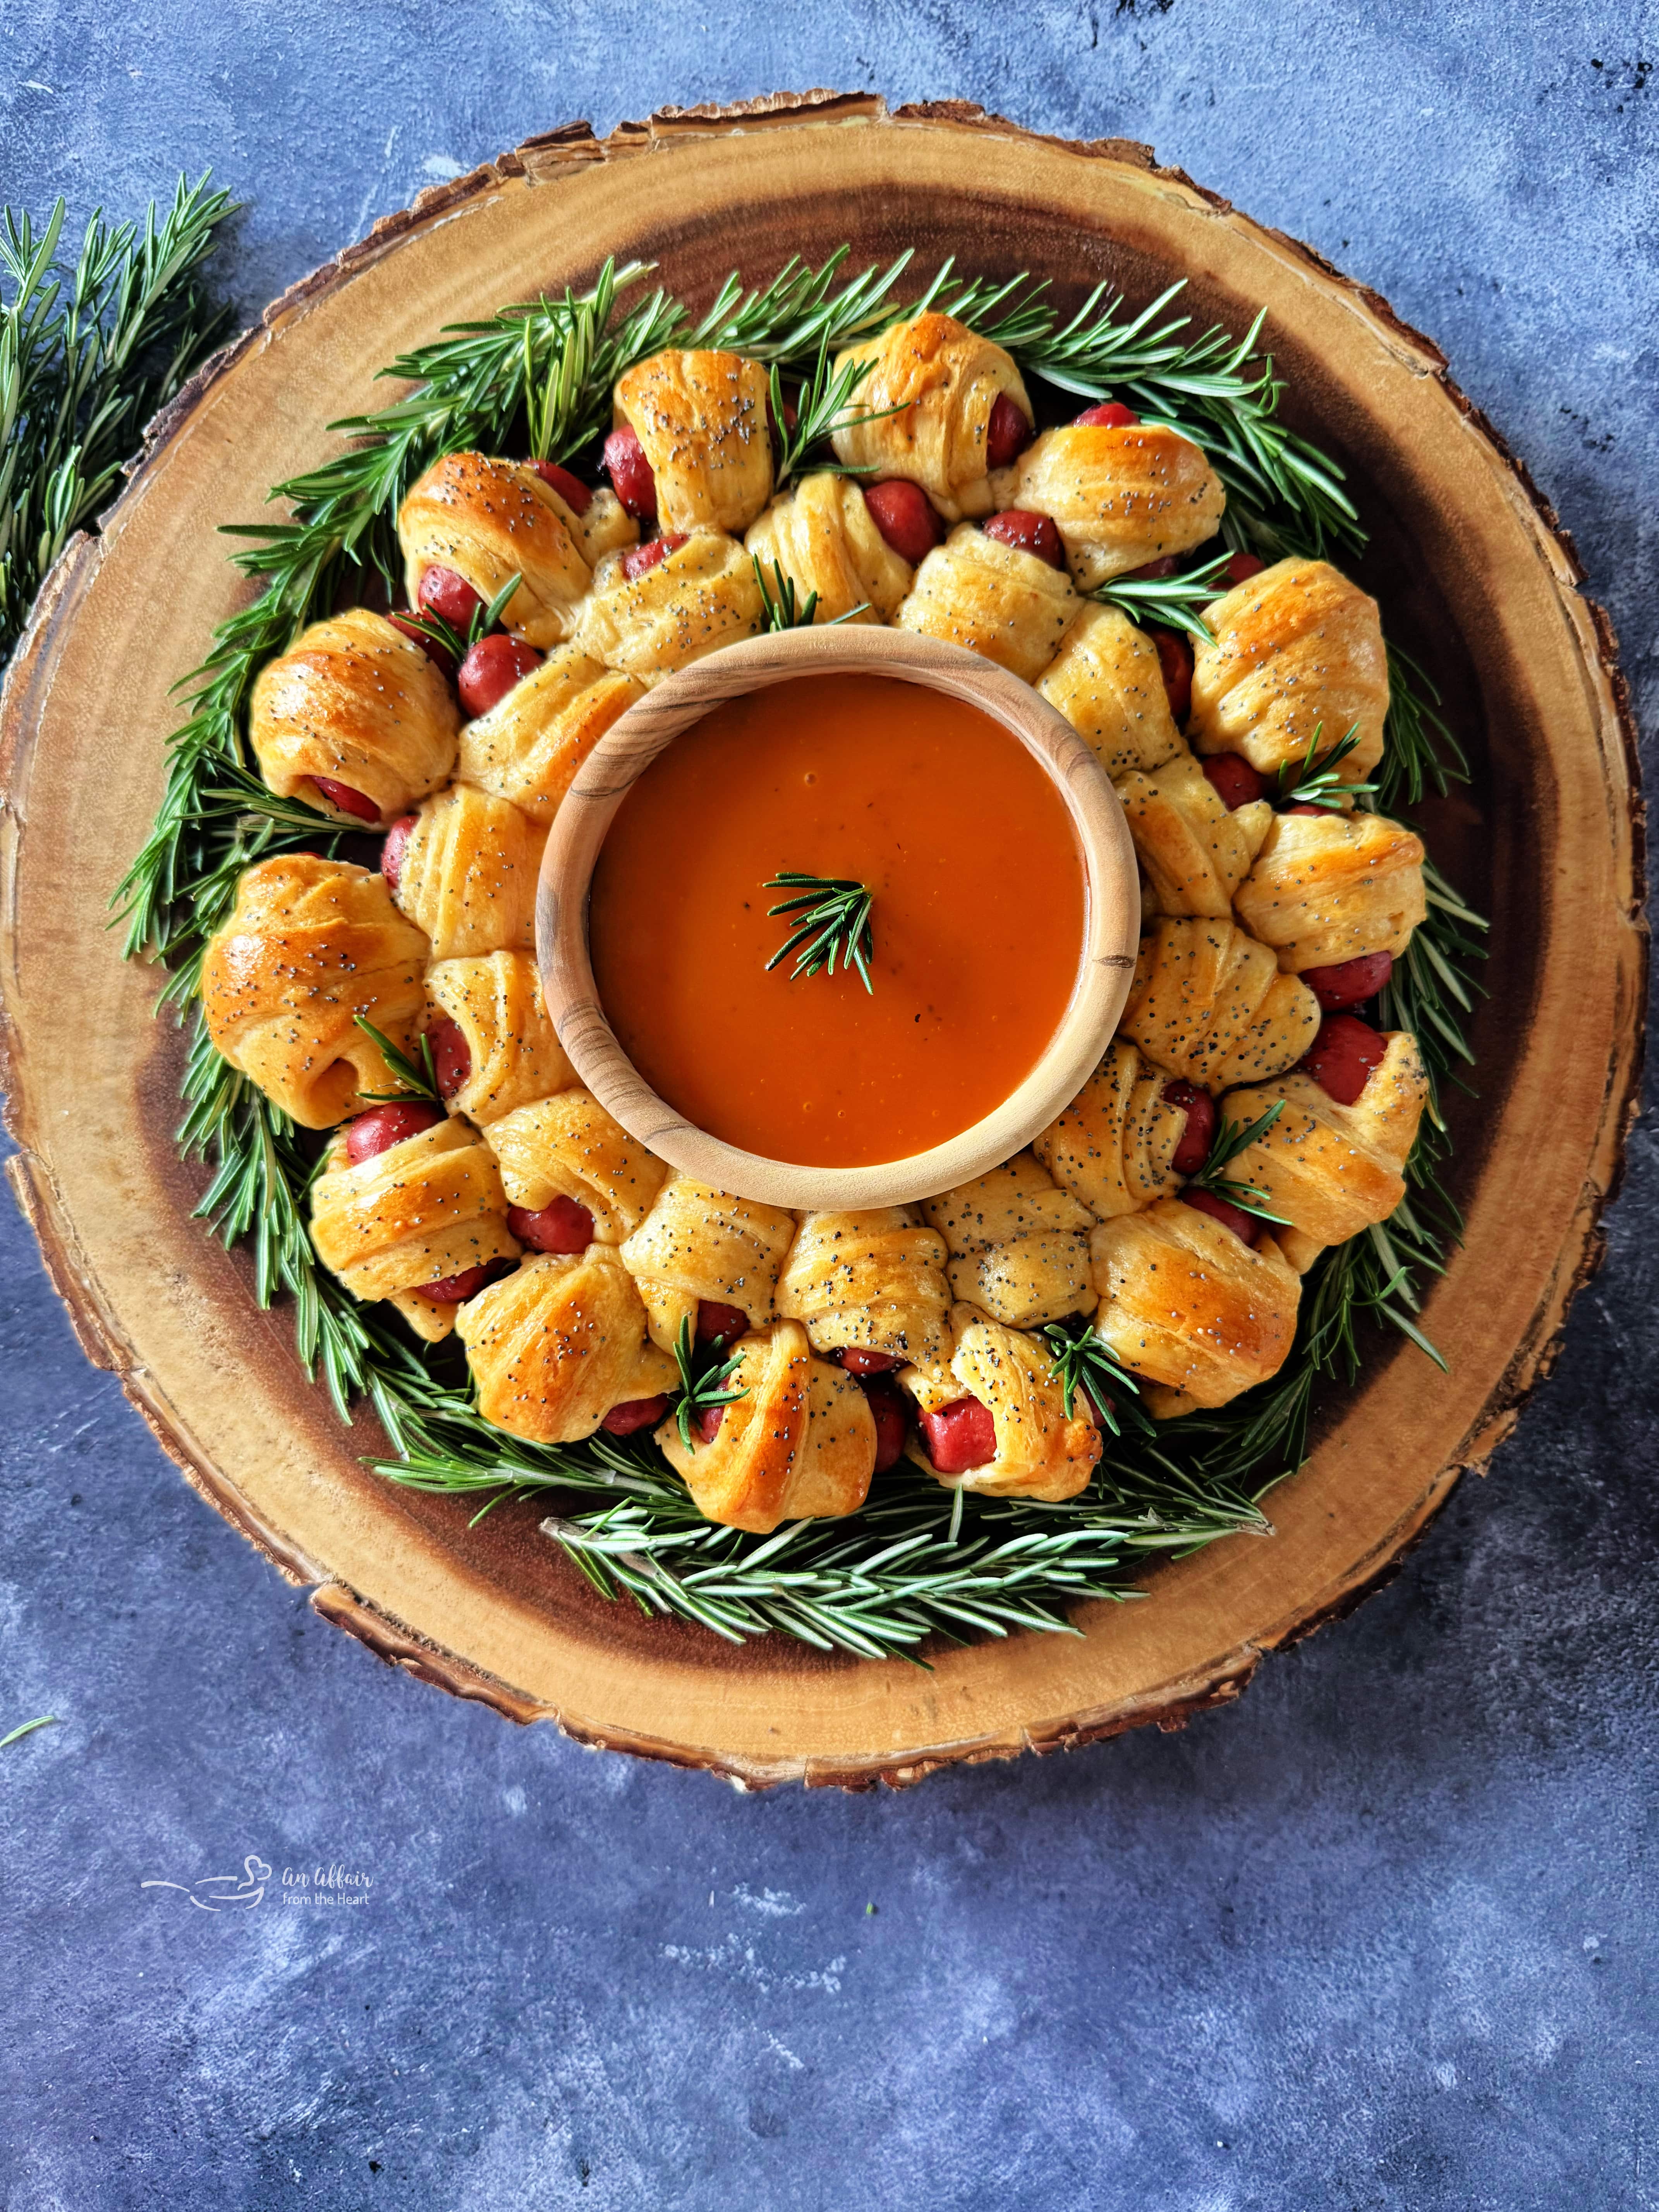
x=1105 y=967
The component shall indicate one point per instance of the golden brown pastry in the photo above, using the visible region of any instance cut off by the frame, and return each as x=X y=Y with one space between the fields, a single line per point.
x=996 y=599
x=1330 y=1170
x=799 y=1444
x=702 y=420
x=1210 y=1004
x=872 y=1280
x=427 y=1209
x=356 y=702
x=468 y=873
x=556 y=1344
x=515 y=1055
x=1044 y=1449
x=701 y=595
x=529 y=748
x=603 y=525
x=1119 y=498
x=1112 y=1146
x=821 y=535
x=1188 y=1306
x=1298 y=648
x=309 y=946
x=488 y=520
x=1016 y=1243
x=1326 y=888
x=1195 y=851
x=698 y=1243
x=1108 y=682
x=945 y=379
x=568 y=1146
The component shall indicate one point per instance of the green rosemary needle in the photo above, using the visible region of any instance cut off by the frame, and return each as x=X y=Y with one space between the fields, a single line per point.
x=1230 y=1140
x=1175 y=600
x=455 y=642
x=1303 y=783
x=702 y=1387
x=783 y=608
x=829 y=920
x=1078 y=1360
x=415 y=1082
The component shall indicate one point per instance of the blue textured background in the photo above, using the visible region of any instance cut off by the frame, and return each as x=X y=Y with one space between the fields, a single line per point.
x=1382 y=1936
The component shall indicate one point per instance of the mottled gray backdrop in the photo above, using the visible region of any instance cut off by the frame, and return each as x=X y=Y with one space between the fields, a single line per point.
x=1381 y=1935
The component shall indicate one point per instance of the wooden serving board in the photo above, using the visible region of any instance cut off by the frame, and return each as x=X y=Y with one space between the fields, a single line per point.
x=1474 y=578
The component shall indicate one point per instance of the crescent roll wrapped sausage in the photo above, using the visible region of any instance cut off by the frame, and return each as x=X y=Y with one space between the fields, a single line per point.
x=513 y=1053
x=468 y=873
x=944 y=380
x=1298 y=650
x=528 y=748
x=426 y=1209
x=821 y=535
x=1195 y=849
x=799 y=1444
x=872 y=1279
x=701 y=595
x=702 y=420
x=1210 y=1004
x=1330 y=1170
x=1119 y=498
x=996 y=599
x=354 y=701
x=698 y=1243
x=1113 y=1145
x=1016 y=1243
x=568 y=1146
x=557 y=1343
x=1043 y=1449
x=1108 y=680
x=309 y=946
x=1327 y=888
x=603 y=525
x=1190 y=1307
x=488 y=520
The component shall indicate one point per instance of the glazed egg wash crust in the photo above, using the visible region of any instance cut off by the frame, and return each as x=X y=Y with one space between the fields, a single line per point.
x=978 y=920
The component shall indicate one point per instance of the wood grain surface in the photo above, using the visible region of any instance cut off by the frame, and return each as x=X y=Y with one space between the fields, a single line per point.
x=1474 y=579
x=652 y=724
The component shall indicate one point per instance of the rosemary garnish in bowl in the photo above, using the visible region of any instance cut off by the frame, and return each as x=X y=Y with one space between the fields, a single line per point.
x=833 y=912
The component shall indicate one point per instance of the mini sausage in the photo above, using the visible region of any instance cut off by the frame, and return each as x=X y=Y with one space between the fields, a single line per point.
x=561 y=1225
x=1247 y=1227
x=959 y=1436
x=450 y=597
x=1027 y=533
x=1348 y=981
x=376 y=1132
x=1342 y=1057
x=1007 y=433
x=490 y=669
x=907 y=519
x=571 y=489
x=632 y=478
x=1190 y=1154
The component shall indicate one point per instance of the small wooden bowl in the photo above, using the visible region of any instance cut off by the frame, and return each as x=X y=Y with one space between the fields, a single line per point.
x=1105 y=967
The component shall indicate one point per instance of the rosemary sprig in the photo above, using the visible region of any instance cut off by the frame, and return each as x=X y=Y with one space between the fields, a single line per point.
x=829 y=920
x=1175 y=600
x=1230 y=1139
x=779 y=601
x=87 y=356
x=824 y=403
x=1421 y=753
x=802 y=311
x=415 y=1081
x=458 y=643
x=703 y=1378
x=1313 y=781
x=1079 y=1362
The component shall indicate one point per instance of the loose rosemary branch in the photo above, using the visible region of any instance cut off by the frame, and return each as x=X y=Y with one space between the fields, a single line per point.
x=87 y=356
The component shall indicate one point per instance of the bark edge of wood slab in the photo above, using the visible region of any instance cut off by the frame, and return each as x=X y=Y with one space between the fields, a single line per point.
x=1476 y=579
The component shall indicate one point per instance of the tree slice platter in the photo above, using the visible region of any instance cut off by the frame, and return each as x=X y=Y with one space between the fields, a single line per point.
x=1475 y=580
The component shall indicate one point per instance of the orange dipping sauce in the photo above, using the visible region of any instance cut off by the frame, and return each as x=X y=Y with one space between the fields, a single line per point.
x=978 y=921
